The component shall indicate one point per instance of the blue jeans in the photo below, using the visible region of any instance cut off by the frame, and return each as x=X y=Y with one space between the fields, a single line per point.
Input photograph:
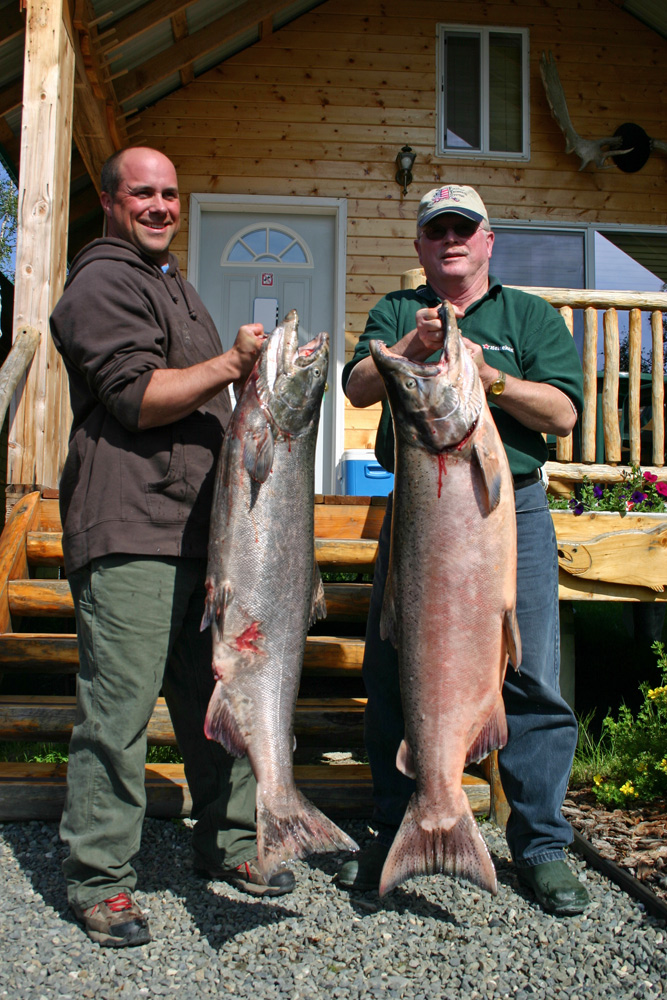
x=535 y=765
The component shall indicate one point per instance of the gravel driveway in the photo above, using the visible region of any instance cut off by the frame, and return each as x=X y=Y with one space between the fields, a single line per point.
x=430 y=938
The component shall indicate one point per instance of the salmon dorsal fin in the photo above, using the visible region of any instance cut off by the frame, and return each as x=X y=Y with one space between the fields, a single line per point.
x=318 y=603
x=512 y=638
x=405 y=761
x=492 y=736
x=488 y=467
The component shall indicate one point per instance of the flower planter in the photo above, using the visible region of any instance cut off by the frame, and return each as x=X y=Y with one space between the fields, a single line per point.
x=603 y=547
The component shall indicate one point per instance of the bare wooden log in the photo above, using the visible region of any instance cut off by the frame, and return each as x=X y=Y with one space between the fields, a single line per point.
x=37 y=791
x=330 y=723
x=612 y=433
x=39 y=652
x=16 y=365
x=40 y=598
x=634 y=384
x=45 y=548
x=43 y=652
x=658 y=389
x=345 y=554
x=590 y=365
x=564 y=444
x=13 y=556
x=576 y=472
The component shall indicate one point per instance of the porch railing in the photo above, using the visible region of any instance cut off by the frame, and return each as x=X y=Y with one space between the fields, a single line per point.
x=615 y=426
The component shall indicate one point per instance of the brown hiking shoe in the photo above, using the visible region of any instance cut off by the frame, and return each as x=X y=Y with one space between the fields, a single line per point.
x=248 y=878
x=116 y=922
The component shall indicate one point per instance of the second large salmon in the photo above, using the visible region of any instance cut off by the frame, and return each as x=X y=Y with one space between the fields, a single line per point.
x=449 y=604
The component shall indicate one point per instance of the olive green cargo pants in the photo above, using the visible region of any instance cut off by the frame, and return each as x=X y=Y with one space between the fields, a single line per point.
x=138 y=632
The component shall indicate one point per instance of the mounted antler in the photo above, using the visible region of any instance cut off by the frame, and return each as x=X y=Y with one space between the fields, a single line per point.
x=588 y=150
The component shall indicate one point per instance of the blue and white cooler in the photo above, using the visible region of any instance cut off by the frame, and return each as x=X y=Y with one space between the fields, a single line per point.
x=363 y=476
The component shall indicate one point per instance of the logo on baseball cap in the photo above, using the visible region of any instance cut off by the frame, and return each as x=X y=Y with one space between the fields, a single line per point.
x=459 y=199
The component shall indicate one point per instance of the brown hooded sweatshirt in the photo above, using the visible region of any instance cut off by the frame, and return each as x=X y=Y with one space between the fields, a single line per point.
x=125 y=490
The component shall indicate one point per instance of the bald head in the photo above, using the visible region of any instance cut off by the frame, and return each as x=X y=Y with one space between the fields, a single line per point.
x=140 y=200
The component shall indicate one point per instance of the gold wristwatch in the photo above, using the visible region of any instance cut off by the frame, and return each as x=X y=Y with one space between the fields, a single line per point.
x=497 y=387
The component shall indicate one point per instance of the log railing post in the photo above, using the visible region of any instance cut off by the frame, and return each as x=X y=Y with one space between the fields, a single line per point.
x=39 y=417
x=612 y=433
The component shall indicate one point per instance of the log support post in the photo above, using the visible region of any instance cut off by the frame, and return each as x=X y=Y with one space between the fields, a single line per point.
x=39 y=412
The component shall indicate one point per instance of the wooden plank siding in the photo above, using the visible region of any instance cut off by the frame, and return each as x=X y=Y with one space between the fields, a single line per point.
x=322 y=106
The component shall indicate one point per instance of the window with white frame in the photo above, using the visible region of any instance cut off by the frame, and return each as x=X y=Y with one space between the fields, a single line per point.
x=483 y=94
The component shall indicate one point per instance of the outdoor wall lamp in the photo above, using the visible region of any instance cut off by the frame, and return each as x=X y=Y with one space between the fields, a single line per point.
x=404 y=160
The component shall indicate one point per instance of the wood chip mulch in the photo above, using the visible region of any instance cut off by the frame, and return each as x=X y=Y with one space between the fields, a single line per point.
x=635 y=838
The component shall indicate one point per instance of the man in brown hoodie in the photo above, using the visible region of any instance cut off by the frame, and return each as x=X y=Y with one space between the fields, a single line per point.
x=150 y=403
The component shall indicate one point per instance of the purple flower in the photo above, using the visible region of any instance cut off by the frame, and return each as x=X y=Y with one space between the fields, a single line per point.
x=578 y=508
x=598 y=492
x=638 y=497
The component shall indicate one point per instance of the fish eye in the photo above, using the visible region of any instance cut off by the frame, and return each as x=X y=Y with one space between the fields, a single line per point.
x=410 y=383
x=316 y=371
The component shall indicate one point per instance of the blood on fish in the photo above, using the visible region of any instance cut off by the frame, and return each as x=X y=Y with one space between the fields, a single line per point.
x=246 y=642
x=442 y=470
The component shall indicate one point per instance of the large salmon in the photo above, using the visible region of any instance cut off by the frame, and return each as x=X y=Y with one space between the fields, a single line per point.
x=449 y=604
x=264 y=587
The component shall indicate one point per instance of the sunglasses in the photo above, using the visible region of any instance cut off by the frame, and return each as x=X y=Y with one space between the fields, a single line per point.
x=463 y=229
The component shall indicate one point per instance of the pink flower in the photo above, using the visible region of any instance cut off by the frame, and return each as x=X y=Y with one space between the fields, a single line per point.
x=661 y=488
x=650 y=477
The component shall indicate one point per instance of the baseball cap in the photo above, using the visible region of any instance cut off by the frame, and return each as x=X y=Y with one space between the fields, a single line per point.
x=459 y=199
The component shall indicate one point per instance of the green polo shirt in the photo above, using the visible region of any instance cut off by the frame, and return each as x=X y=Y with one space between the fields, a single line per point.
x=519 y=333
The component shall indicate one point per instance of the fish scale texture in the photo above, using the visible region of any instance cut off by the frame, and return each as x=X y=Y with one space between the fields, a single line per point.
x=433 y=938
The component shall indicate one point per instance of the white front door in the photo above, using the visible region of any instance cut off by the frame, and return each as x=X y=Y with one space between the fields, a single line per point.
x=255 y=259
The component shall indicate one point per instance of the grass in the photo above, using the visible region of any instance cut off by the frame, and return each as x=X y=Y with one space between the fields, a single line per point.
x=594 y=754
x=57 y=753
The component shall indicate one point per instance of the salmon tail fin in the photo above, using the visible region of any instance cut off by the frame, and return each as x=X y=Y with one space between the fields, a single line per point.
x=492 y=736
x=318 y=602
x=220 y=724
x=512 y=638
x=300 y=830
x=458 y=850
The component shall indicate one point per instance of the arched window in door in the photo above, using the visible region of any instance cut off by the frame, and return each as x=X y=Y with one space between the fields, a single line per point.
x=264 y=245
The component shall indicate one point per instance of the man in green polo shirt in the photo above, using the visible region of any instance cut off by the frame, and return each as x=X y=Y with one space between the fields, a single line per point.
x=531 y=372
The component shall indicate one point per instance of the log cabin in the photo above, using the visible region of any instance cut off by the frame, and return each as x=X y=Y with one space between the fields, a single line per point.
x=287 y=123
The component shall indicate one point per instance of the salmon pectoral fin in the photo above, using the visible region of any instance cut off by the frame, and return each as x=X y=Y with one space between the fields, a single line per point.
x=318 y=602
x=258 y=452
x=405 y=761
x=221 y=725
x=492 y=736
x=456 y=850
x=512 y=638
x=489 y=469
x=300 y=829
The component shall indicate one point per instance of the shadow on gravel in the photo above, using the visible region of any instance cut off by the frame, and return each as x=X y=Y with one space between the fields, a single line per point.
x=162 y=866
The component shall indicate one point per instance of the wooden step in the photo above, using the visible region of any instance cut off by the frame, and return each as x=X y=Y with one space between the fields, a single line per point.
x=327 y=723
x=53 y=598
x=37 y=791
x=54 y=652
x=45 y=548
